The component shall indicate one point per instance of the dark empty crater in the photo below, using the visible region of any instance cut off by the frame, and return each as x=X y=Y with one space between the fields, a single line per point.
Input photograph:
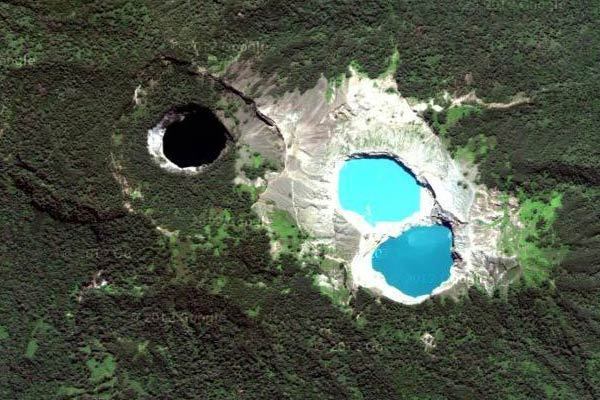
x=195 y=137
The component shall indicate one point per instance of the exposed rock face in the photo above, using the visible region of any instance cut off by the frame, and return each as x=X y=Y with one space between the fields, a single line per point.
x=155 y=145
x=369 y=116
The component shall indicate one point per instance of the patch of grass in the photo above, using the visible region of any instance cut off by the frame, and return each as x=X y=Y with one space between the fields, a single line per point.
x=328 y=264
x=3 y=333
x=533 y=242
x=338 y=296
x=136 y=194
x=592 y=369
x=331 y=268
x=476 y=149
x=100 y=371
x=216 y=236
x=217 y=66
x=258 y=166
x=31 y=348
x=216 y=231
x=70 y=391
x=40 y=328
x=444 y=120
x=257 y=160
x=454 y=114
x=229 y=109
x=360 y=70
x=393 y=65
x=332 y=85
x=136 y=386
x=253 y=312
x=218 y=284
x=117 y=138
x=286 y=231
x=253 y=191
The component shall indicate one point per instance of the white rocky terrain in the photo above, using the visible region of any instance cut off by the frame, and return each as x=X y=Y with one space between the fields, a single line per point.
x=369 y=117
x=155 y=145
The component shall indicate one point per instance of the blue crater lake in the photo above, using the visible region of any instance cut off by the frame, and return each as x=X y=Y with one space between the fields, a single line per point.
x=417 y=261
x=379 y=189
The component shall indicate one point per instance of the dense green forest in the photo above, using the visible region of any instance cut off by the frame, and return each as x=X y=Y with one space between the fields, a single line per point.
x=207 y=313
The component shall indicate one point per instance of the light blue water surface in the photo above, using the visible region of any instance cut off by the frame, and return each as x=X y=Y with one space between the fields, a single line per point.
x=417 y=261
x=379 y=189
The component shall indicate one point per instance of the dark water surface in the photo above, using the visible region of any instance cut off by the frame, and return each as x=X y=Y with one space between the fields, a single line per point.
x=197 y=139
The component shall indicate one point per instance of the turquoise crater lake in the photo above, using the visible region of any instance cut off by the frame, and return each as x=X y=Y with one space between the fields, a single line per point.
x=417 y=261
x=379 y=189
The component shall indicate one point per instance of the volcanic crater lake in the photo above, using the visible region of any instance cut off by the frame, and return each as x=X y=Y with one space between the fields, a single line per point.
x=417 y=261
x=378 y=189
x=382 y=190
x=196 y=139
